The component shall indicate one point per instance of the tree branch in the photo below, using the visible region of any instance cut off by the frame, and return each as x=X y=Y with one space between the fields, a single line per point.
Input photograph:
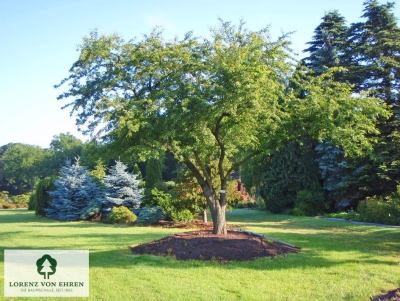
x=203 y=169
x=196 y=173
x=236 y=165
x=221 y=146
x=157 y=84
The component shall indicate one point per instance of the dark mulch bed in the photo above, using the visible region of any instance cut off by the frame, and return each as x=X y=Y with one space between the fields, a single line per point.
x=203 y=245
x=393 y=295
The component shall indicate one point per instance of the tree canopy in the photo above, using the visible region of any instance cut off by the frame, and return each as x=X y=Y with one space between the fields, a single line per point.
x=65 y=147
x=22 y=165
x=225 y=99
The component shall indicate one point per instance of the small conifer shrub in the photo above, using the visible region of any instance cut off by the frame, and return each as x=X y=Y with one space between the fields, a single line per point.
x=181 y=215
x=150 y=215
x=121 y=215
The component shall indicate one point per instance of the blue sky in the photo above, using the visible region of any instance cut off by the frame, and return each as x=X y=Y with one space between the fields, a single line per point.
x=39 y=38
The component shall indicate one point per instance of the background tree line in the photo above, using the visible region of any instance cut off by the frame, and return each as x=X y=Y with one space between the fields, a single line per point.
x=369 y=53
x=22 y=166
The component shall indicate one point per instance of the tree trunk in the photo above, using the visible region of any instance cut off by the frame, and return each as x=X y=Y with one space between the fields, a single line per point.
x=217 y=208
x=219 y=223
x=20 y=187
x=205 y=216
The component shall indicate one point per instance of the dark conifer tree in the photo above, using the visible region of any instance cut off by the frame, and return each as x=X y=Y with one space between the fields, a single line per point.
x=370 y=51
x=374 y=49
x=290 y=170
x=328 y=44
x=43 y=198
x=332 y=164
x=153 y=173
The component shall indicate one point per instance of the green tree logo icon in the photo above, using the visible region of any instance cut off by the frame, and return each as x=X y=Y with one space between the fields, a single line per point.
x=46 y=266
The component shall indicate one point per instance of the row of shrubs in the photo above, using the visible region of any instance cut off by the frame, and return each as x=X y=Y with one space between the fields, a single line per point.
x=381 y=210
x=376 y=209
x=258 y=203
x=11 y=206
x=161 y=205
x=373 y=210
x=147 y=216
x=18 y=201
x=172 y=209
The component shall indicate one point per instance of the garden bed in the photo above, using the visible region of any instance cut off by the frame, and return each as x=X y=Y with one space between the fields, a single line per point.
x=203 y=245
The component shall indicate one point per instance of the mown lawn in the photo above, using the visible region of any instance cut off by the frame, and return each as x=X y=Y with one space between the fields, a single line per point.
x=339 y=261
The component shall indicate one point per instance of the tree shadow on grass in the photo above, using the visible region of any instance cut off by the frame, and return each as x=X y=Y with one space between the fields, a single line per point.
x=83 y=241
x=307 y=260
x=331 y=232
x=14 y=216
x=325 y=236
x=104 y=254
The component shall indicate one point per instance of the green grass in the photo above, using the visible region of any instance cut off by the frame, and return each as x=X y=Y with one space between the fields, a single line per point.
x=339 y=261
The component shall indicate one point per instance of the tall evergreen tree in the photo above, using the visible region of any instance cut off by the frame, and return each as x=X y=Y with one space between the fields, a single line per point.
x=153 y=173
x=332 y=164
x=370 y=51
x=327 y=50
x=374 y=48
x=43 y=198
x=328 y=44
x=290 y=170
x=75 y=192
x=122 y=188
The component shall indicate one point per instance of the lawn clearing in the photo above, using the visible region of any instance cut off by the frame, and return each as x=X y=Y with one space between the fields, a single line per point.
x=338 y=261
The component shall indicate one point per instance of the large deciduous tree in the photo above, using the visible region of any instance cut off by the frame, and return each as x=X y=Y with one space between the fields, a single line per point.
x=223 y=99
x=23 y=165
x=65 y=147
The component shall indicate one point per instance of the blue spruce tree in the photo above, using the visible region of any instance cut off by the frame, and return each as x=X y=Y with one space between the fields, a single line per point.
x=122 y=188
x=332 y=164
x=75 y=195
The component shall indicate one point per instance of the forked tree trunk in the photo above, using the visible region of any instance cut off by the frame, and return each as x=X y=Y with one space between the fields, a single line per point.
x=217 y=208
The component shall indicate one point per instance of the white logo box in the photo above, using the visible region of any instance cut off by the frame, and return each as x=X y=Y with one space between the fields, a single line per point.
x=46 y=273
